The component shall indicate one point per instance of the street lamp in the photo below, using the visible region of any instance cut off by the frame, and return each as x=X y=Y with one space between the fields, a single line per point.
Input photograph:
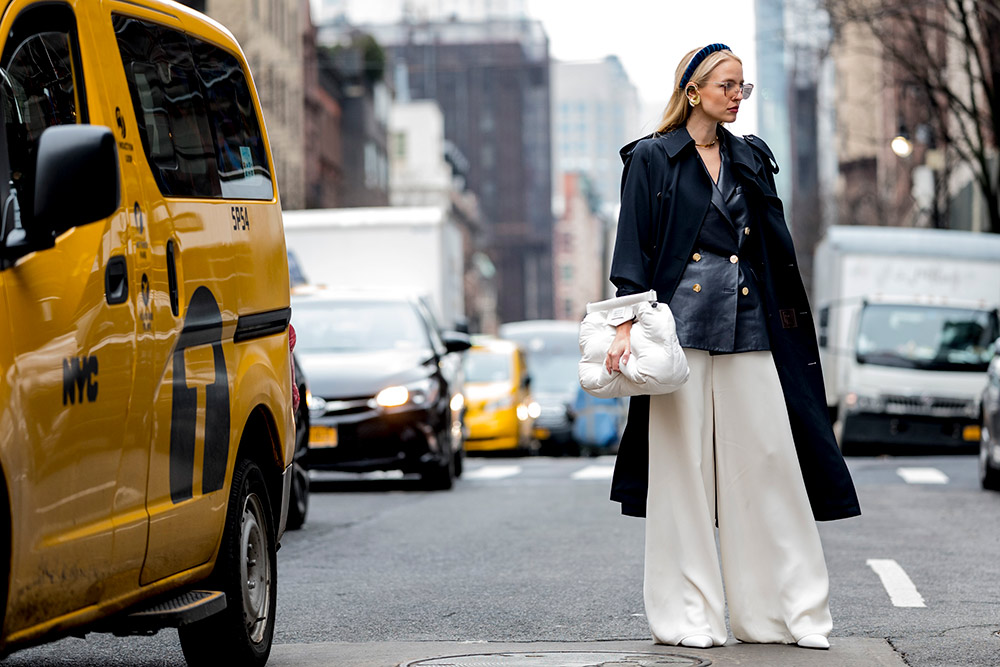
x=901 y=145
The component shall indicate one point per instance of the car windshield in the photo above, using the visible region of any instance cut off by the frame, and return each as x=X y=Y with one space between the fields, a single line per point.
x=554 y=374
x=552 y=356
x=926 y=337
x=486 y=366
x=356 y=326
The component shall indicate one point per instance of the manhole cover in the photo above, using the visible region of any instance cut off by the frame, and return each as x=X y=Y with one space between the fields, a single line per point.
x=561 y=659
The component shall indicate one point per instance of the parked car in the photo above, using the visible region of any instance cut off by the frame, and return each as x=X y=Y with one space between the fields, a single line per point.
x=385 y=392
x=298 y=492
x=598 y=423
x=553 y=353
x=146 y=389
x=500 y=411
x=989 y=432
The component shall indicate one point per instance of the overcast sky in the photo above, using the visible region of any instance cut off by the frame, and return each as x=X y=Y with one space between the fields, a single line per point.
x=650 y=37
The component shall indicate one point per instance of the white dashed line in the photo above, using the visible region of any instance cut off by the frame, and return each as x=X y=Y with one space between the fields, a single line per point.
x=594 y=472
x=897 y=583
x=493 y=472
x=922 y=475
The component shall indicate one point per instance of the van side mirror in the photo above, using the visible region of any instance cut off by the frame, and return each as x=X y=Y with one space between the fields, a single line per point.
x=76 y=179
x=526 y=381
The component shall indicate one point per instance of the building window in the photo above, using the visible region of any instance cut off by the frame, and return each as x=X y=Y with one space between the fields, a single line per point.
x=399 y=145
x=371 y=165
x=567 y=272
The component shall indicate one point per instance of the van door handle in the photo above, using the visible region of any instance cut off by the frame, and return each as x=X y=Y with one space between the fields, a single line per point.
x=116 y=280
x=172 y=278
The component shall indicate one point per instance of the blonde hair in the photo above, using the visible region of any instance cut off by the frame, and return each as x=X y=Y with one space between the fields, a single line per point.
x=677 y=111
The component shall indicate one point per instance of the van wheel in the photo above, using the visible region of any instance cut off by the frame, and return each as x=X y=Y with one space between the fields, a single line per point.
x=247 y=573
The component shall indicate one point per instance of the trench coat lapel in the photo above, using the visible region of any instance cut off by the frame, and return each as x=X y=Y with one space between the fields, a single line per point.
x=686 y=194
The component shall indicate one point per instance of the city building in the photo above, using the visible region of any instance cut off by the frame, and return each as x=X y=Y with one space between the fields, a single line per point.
x=354 y=66
x=578 y=249
x=491 y=81
x=595 y=111
x=380 y=11
x=795 y=96
x=324 y=157
x=427 y=170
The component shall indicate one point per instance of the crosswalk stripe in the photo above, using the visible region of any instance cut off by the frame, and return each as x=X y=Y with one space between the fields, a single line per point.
x=594 y=472
x=922 y=475
x=493 y=472
x=897 y=583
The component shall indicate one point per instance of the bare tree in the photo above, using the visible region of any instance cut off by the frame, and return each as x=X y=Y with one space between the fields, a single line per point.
x=950 y=51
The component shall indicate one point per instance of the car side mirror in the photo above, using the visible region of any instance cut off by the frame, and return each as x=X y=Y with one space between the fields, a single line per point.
x=456 y=341
x=526 y=382
x=76 y=179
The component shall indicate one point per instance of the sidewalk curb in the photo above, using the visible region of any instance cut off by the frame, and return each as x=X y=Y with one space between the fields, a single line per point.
x=844 y=652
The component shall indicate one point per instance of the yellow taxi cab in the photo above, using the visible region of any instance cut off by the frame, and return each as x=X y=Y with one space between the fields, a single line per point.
x=499 y=409
x=146 y=425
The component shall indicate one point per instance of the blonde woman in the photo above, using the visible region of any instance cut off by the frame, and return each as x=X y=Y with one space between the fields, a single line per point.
x=746 y=444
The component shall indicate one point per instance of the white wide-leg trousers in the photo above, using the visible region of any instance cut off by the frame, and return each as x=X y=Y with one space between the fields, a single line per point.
x=720 y=448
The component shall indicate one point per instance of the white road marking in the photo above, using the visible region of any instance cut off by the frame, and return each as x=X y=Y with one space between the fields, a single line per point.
x=493 y=472
x=594 y=472
x=922 y=475
x=897 y=583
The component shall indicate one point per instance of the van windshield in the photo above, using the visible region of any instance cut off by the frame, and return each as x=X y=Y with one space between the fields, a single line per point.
x=926 y=337
x=483 y=366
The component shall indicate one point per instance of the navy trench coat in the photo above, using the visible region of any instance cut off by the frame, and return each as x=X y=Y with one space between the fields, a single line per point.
x=666 y=192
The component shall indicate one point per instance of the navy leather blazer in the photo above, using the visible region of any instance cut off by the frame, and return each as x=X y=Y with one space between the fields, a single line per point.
x=717 y=305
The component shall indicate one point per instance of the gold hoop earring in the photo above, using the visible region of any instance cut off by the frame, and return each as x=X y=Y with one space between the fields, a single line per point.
x=694 y=101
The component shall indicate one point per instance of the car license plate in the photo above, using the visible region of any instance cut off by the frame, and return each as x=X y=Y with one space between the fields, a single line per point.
x=323 y=436
x=971 y=433
x=542 y=433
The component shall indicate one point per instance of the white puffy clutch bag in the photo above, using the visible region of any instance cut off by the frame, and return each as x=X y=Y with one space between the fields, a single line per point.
x=657 y=364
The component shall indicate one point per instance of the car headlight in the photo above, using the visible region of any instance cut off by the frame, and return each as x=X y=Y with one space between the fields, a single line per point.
x=420 y=393
x=316 y=405
x=499 y=404
x=534 y=410
x=457 y=402
x=855 y=402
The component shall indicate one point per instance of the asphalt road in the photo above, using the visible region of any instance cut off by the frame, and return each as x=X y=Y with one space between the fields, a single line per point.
x=531 y=550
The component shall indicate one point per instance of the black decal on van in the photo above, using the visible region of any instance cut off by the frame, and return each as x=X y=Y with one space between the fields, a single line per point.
x=241 y=219
x=202 y=326
x=79 y=373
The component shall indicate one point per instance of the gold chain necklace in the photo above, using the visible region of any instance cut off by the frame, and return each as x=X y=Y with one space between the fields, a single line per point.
x=708 y=145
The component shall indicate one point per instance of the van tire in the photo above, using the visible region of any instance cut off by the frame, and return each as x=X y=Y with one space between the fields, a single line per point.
x=246 y=571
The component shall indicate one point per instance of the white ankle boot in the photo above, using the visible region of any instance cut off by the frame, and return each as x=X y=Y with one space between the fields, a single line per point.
x=814 y=641
x=697 y=641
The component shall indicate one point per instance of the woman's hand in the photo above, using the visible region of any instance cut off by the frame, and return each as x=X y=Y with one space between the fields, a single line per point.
x=621 y=347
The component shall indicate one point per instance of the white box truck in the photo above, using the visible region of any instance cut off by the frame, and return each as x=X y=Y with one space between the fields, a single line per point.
x=907 y=323
x=411 y=249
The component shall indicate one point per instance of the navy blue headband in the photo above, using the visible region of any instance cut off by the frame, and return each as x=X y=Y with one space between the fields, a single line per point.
x=698 y=58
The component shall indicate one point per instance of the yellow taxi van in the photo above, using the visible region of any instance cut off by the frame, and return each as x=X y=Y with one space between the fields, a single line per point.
x=499 y=409
x=146 y=427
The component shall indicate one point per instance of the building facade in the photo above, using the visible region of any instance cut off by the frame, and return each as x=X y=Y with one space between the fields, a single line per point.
x=595 y=111
x=491 y=81
x=426 y=170
x=578 y=249
x=795 y=96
